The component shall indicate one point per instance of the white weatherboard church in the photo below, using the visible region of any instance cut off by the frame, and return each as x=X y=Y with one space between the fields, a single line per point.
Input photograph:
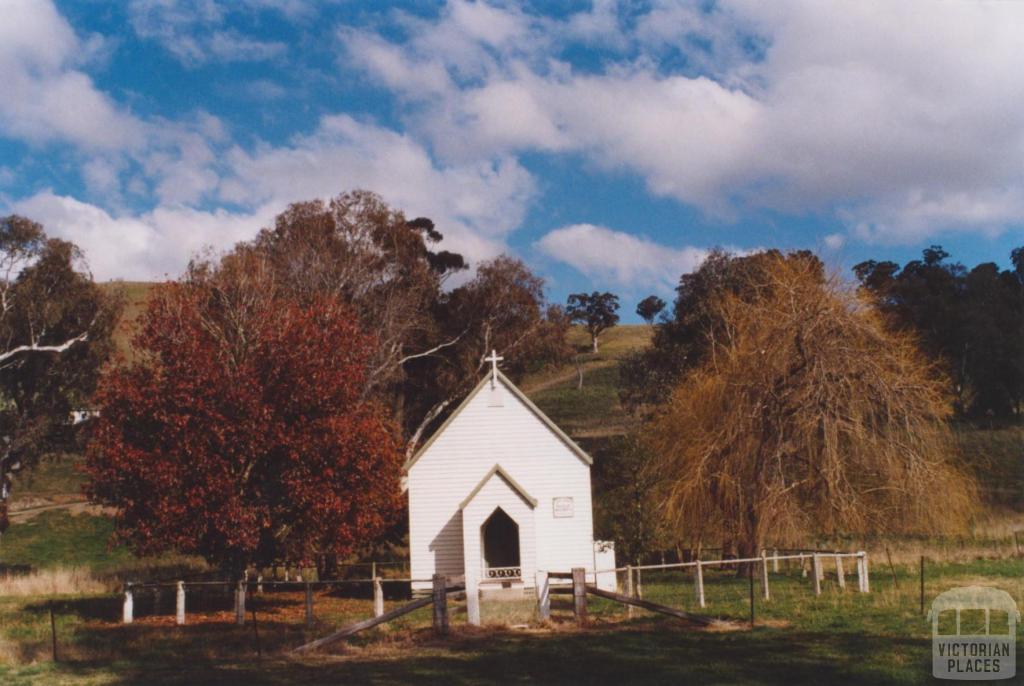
x=499 y=493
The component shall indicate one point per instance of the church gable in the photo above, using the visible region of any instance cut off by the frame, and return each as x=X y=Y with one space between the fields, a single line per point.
x=492 y=402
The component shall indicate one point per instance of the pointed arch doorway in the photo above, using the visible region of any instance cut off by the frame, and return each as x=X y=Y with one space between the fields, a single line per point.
x=499 y=538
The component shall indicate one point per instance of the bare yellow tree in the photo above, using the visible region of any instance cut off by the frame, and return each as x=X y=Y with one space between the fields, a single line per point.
x=807 y=418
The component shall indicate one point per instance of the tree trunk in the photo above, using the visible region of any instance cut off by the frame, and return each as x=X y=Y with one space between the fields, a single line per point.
x=579 y=373
x=594 y=341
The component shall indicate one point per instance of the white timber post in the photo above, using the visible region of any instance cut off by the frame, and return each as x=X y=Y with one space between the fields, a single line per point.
x=378 y=597
x=840 y=576
x=699 y=585
x=179 y=616
x=129 y=605
x=775 y=561
x=803 y=566
x=764 y=575
x=629 y=589
x=860 y=572
x=240 y=603
x=543 y=596
x=867 y=574
x=472 y=598
x=816 y=572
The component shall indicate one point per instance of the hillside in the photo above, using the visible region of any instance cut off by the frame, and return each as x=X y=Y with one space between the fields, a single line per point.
x=135 y=294
x=51 y=523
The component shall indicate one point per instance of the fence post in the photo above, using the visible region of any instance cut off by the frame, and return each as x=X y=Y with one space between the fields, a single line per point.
x=179 y=617
x=378 y=597
x=700 y=585
x=259 y=584
x=579 y=594
x=629 y=589
x=440 y=604
x=816 y=572
x=867 y=574
x=309 y=604
x=240 y=603
x=803 y=566
x=840 y=576
x=860 y=571
x=472 y=600
x=764 y=575
x=129 y=605
x=775 y=560
x=543 y=596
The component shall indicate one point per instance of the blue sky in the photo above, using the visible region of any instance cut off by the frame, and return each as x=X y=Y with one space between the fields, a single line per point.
x=608 y=144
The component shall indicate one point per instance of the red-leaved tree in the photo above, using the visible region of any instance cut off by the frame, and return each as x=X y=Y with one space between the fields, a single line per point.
x=241 y=433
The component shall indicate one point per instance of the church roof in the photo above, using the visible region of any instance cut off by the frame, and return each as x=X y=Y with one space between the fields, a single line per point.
x=561 y=435
x=496 y=469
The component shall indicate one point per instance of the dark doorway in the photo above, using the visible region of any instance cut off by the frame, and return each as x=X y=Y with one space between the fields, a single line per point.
x=501 y=544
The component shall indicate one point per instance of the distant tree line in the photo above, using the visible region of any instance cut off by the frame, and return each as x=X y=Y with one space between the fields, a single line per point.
x=972 y=321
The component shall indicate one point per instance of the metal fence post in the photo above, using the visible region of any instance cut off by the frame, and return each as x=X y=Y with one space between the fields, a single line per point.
x=629 y=589
x=309 y=604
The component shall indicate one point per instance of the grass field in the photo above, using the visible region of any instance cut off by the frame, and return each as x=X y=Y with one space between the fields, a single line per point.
x=840 y=636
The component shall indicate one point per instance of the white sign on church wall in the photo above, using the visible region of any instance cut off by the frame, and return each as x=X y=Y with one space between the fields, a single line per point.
x=562 y=507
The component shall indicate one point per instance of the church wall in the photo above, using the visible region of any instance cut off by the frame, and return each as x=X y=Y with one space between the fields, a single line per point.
x=486 y=433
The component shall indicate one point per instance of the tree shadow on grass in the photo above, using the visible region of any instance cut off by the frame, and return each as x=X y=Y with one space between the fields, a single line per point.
x=644 y=653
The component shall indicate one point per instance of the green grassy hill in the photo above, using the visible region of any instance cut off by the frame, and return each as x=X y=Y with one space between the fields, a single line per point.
x=60 y=529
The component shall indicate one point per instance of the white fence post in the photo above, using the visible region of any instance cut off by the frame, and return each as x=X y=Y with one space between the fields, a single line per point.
x=840 y=576
x=378 y=597
x=543 y=596
x=472 y=600
x=867 y=574
x=816 y=572
x=803 y=566
x=764 y=575
x=240 y=603
x=700 y=585
x=775 y=560
x=129 y=605
x=179 y=616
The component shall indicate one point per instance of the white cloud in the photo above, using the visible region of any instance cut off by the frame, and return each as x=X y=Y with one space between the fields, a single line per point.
x=906 y=115
x=475 y=205
x=153 y=245
x=631 y=261
x=45 y=96
x=190 y=29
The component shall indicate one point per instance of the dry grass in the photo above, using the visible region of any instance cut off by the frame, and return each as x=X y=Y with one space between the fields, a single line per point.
x=55 y=581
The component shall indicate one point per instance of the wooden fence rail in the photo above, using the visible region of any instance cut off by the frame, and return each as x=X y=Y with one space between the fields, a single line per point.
x=438 y=598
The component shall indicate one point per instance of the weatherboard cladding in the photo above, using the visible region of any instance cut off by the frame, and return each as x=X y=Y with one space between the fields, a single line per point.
x=539 y=458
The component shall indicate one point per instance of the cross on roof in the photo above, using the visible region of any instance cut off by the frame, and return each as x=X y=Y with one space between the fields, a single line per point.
x=494 y=360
